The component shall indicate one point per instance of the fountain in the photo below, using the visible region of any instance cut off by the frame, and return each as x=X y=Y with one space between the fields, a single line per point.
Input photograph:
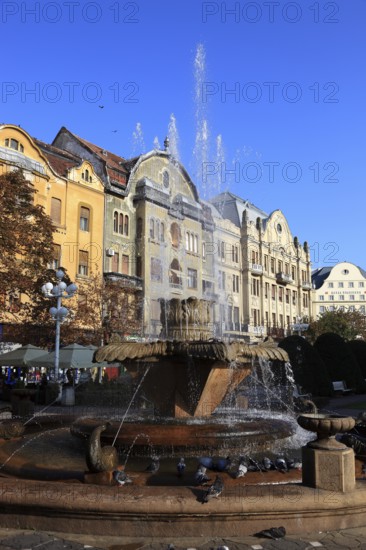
x=187 y=380
x=45 y=485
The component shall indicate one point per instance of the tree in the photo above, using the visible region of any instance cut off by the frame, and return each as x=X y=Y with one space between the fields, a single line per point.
x=347 y=324
x=310 y=371
x=358 y=348
x=98 y=309
x=340 y=361
x=26 y=244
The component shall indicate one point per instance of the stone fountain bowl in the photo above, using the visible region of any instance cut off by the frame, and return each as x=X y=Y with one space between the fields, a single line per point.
x=326 y=427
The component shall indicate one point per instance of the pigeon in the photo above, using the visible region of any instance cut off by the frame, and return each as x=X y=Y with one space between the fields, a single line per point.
x=221 y=464
x=242 y=468
x=254 y=466
x=200 y=476
x=154 y=466
x=101 y=106
x=121 y=477
x=214 y=490
x=181 y=466
x=206 y=461
x=272 y=533
x=281 y=465
x=267 y=464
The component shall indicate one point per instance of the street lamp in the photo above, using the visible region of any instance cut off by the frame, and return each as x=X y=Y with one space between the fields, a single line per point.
x=58 y=313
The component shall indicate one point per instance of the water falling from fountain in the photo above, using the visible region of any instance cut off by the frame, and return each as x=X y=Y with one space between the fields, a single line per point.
x=138 y=143
x=173 y=137
x=201 y=146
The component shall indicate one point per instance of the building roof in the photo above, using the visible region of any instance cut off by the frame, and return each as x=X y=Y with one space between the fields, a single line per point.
x=61 y=161
x=319 y=275
x=232 y=207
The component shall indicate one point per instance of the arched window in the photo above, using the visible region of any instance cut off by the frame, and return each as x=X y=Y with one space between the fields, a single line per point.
x=196 y=244
x=14 y=144
x=115 y=222
x=187 y=241
x=87 y=175
x=120 y=225
x=175 y=234
x=162 y=232
x=191 y=246
x=126 y=225
x=175 y=277
x=157 y=227
x=165 y=178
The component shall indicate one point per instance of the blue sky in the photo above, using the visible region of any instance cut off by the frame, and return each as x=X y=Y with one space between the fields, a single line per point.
x=292 y=127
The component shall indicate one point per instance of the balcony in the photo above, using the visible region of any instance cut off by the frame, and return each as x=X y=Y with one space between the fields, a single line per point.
x=256 y=269
x=126 y=281
x=284 y=278
x=306 y=285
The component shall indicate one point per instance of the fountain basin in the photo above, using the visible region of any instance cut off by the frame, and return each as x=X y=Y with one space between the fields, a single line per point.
x=326 y=427
x=174 y=438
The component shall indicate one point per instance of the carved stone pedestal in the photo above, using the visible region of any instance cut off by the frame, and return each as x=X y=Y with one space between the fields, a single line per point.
x=332 y=470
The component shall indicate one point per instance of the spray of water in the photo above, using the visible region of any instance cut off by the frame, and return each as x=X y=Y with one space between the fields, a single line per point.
x=156 y=143
x=138 y=143
x=173 y=137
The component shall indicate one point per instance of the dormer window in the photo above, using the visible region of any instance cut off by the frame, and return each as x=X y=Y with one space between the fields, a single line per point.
x=14 y=144
x=165 y=178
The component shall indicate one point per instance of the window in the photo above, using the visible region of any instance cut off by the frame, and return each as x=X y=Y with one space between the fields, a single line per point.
x=125 y=264
x=84 y=218
x=255 y=286
x=294 y=297
x=236 y=283
x=195 y=244
x=351 y=308
x=138 y=266
x=266 y=262
x=287 y=296
x=115 y=263
x=222 y=280
x=362 y=309
x=351 y=297
x=350 y=285
x=115 y=222
x=361 y=284
x=165 y=178
x=305 y=300
x=162 y=232
x=280 y=294
x=14 y=144
x=187 y=241
x=120 y=224
x=156 y=270
x=331 y=297
x=236 y=317
x=280 y=266
x=362 y=297
x=83 y=262
x=175 y=277
x=266 y=290
x=340 y=285
x=273 y=292
x=192 y=278
x=272 y=265
x=152 y=228
x=293 y=272
x=126 y=223
x=175 y=234
x=56 y=210
x=222 y=251
x=56 y=257
x=204 y=251
x=321 y=297
x=330 y=285
x=341 y=297
x=322 y=309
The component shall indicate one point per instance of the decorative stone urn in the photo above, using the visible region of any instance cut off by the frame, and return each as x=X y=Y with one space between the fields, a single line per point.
x=326 y=428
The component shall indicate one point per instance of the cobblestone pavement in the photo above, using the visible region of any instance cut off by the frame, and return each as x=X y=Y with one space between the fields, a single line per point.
x=347 y=539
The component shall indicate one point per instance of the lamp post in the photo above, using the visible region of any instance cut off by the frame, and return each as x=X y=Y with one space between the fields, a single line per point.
x=58 y=313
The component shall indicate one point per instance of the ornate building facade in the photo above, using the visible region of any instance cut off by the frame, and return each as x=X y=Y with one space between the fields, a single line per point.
x=341 y=287
x=141 y=225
